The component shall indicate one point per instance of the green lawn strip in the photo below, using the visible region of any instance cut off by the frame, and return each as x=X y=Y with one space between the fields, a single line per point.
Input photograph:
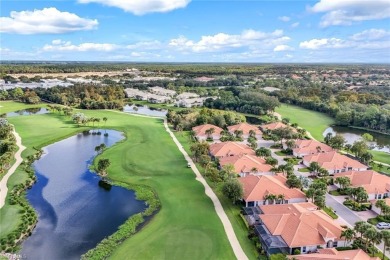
x=232 y=211
x=303 y=170
x=383 y=169
x=312 y=121
x=281 y=153
x=186 y=225
x=335 y=193
x=382 y=157
x=330 y=212
x=12 y=106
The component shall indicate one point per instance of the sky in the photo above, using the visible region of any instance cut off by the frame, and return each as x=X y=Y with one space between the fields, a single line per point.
x=288 y=31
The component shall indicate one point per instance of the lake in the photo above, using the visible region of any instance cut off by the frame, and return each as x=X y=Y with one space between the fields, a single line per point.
x=75 y=210
x=145 y=110
x=381 y=142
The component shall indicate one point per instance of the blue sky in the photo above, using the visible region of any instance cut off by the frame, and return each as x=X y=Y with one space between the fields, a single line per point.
x=196 y=31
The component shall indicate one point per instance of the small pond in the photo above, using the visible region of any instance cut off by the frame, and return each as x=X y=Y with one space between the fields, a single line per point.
x=28 y=112
x=75 y=210
x=145 y=110
x=381 y=142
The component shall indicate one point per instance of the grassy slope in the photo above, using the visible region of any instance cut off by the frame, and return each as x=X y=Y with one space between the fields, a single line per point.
x=231 y=210
x=381 y=156
x=11 y=106
x=312 y=121
x=186 y=226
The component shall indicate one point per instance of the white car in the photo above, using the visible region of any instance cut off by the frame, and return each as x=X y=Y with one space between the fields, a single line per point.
x=383 y=225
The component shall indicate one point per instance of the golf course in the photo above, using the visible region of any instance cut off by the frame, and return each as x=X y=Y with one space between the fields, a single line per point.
x=186 y=226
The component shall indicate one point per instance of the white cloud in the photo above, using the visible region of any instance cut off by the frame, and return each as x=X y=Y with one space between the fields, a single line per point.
x=141 y=7
x=283 y=47
x=369 y=35
x=222 y=41
x=149 y=45
x=284 y=18
x=294 y=25
x=329 y=43
x=368 y=39
x=47 y=20
x=58 y=45
x=347 y=12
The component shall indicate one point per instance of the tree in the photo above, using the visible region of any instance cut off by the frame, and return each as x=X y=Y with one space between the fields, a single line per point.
x=386 y=241
x=238 y=134
x=263 y=152
x=102 y=166
x=271 y=161
x=337 y=142
x=367 y=137
x=359 y=148
x=293 y=182
x=381 y=204
x=233 y=190
x=290 y=144
x=99 y=149
x=348 y=234
x=344 y=182
x=209 y=132
x=328 y=137
x=278 y=257
x=199 y=149
x=228 y=171
x=314 y=167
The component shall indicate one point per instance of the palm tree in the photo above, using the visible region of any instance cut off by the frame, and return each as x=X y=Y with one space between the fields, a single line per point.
x=348 y=234
x=370 y=234
x=281 y=198
x=209 y=132
x=238 y=133
x=381 y=205
x=252 y=133
x=105 y=122
x=386 y=241
x=254 y=170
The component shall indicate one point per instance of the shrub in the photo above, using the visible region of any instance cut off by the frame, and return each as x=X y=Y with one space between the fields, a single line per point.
x=297 y=252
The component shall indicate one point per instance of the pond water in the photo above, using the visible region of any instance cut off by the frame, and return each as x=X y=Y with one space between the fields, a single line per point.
x=28 y=111
x=381 y=142
x=75 y=210
x=145 y=110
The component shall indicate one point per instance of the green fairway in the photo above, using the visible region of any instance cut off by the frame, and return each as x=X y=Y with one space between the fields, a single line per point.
x=11 y=106
x=382 y=157
x=314 y=122
x=186 y=227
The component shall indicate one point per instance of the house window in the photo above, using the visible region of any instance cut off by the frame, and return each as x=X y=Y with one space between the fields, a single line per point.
x=376 y=196
x=335 y=244
x=379 y=196
x=304 y=249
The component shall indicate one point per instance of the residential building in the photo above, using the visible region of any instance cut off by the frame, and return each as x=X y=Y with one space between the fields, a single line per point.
x=375 y=208
x=257 y=188
x=162 y=91
x=334 y=162
x=246 y=129
x=303 y=147
x=285 y=228
x=376 y=185
x=225 y=149
x=247 y=164
x=272 y=126
x=190 y=102
x=187 y=95
x=203 y=79
x=201 y=132
x=333 y=254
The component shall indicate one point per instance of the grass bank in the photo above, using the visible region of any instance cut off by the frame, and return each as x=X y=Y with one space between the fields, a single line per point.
x=312 y=121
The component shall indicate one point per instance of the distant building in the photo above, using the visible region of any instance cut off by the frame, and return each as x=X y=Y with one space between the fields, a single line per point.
x=162 y=91
x=305 y=147
x=203 y=79
x=247 y=164
x=225 y=149
x=202 y=135
x=246 y=129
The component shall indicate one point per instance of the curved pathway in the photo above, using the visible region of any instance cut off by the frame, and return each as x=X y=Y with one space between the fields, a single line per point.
x=237 y=249
x=4 y=180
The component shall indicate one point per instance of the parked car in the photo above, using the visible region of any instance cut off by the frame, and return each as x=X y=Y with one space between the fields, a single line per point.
x=189 y=165
x=383 y=225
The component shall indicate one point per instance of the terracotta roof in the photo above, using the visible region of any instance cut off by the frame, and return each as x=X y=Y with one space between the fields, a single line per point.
x=201 y=129
x=371 y=181
x=333 y=160
x=310 y=147
x=245 y=163
x=332 y=253
x=245 y=128
x=273 y=126
x=256 y=187
x=230 y=149
x=300 y=224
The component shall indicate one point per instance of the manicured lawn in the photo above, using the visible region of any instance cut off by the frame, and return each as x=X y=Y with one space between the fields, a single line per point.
x=187 y=225
x=303 y=170
x=335 y=193
x=330 y=212
x=314 y=122
x=232 y=211
x=382 y=157
x=281 y=153
x=11 y=106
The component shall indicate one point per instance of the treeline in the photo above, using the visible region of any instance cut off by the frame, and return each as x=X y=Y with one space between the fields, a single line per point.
x=85 y=96
x=244 y=101
x=349 y=108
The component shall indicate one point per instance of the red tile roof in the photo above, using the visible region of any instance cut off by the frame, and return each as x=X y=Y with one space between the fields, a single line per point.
x=332 y=253
x=300 y=224
x=310 y=147
x=230 y=149
x=245 y=163
x=333 y=160
x=201 y=129
x=256 y=187
x=371 y=181
x=245 y=128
